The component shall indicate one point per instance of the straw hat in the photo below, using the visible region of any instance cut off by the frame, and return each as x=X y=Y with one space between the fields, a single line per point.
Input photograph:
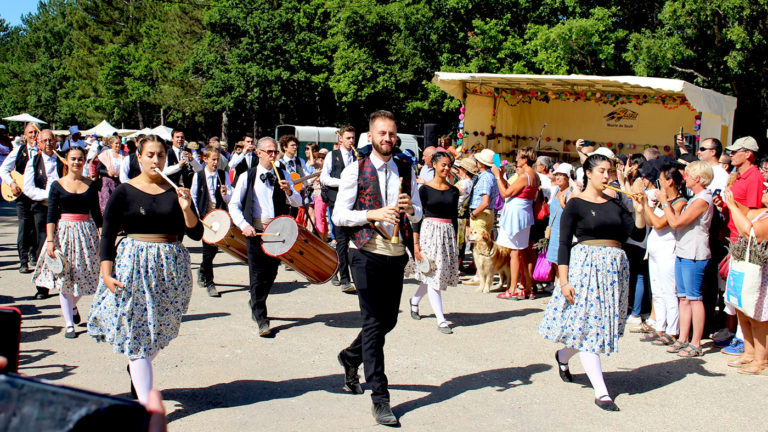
x=467 y=164
x=485 y=157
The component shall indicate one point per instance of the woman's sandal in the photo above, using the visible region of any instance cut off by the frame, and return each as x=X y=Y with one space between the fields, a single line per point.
x=676 y=347
x=739 y=362
x=508 y=295
x=664 y=340
x=752 y=369
x=690 y=351
x=649 y=337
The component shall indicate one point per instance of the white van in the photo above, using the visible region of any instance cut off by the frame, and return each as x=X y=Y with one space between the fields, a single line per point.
x=407 y=142
x=326 y=137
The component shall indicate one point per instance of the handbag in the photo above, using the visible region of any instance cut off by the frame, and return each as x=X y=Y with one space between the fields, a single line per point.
x=540 y=207
x=544 y=270
x=548 y=230
x=723 y=267
x=742 y=287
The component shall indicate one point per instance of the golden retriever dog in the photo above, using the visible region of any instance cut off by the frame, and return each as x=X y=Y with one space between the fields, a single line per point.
x=490 y=258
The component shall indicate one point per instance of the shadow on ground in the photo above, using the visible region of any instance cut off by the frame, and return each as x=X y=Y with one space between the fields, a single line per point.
x=248 y=392
x=205 y=316
x=501 y=379
x=651 y=377
x=345 y=320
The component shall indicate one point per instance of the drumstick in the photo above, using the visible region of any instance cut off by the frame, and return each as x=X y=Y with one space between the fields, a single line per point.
x=267 y=234
x=165 y=177
x=622 y=191
x=276 y=171
x=395 y=239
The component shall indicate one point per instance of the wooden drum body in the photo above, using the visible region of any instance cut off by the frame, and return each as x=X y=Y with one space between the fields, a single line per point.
x=299 y=249
x=219 y=230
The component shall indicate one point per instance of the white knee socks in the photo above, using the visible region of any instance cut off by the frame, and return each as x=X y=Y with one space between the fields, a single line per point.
x=141 y=375
x=565 y=354
x=417 y=296
x=437 y=305
x=592 y=367
x=435 y=299
x=67 y=304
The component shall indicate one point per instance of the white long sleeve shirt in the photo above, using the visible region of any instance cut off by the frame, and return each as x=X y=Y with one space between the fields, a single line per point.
x=262 y=198
x=325 y=178
x=236 y=158
x=173 y=169
x=30 y=189
x=212 y=181
x=9 y=164
x=389 y=184
x=125 y=167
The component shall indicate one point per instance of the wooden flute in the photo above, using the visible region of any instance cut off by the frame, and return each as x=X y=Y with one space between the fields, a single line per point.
x=637 y=195
x=395 y=239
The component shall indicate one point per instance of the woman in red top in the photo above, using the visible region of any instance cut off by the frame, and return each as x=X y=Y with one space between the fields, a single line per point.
x=516 y=220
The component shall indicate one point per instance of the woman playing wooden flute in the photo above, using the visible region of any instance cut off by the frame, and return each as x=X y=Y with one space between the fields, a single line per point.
x=146 y=281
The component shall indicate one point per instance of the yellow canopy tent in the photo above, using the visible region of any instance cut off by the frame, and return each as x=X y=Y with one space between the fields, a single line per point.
x=624 y=113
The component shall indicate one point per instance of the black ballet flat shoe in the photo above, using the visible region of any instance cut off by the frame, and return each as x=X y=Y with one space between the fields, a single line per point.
x=565 y=375
x=42 y=293
x=415 y=314
x=606 y=405
x=351 y=377
x=70 y=332
x=133 y=389
x=383 y=414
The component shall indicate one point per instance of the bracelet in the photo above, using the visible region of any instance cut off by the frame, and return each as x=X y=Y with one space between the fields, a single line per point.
x=567 y=283
x=49 y=241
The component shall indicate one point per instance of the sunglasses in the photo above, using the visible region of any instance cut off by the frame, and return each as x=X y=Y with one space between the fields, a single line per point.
x=271 y=151
x=701 y=149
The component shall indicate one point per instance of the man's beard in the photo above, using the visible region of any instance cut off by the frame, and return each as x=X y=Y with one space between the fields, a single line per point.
x=384 y=151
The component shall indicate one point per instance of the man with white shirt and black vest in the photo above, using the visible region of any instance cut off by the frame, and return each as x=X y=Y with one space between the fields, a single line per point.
x=26 y=239
x=246 y=159
x=330 y=178
x=377 y=189
x=289 y=145
x=39 y=174
x=211 y=189
x=181 y=163
x=133 y=167
x=259 y=197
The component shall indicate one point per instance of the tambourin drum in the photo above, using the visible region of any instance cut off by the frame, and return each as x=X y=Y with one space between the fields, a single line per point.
x=299 y=249
x=219 y=230
x=57 y=265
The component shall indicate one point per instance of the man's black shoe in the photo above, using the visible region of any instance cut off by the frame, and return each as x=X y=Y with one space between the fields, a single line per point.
x=42 y=293
x=383 y=414
x=351 y=378
x=211 y=288
x=264 y=330
x=200 y=279
x=348 y=288
x=335 y=281
x=24 y=269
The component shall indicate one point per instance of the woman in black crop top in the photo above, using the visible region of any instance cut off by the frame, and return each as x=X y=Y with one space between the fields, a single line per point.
x=435 y=237
x=588 y=309
x=72 y=229
x=138 y=308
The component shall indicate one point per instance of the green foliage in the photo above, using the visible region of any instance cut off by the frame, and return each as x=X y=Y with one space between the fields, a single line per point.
x=260 y=63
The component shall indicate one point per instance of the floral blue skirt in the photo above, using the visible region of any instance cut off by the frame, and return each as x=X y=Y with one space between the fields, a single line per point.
x=595 y=322
x=144 y=317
